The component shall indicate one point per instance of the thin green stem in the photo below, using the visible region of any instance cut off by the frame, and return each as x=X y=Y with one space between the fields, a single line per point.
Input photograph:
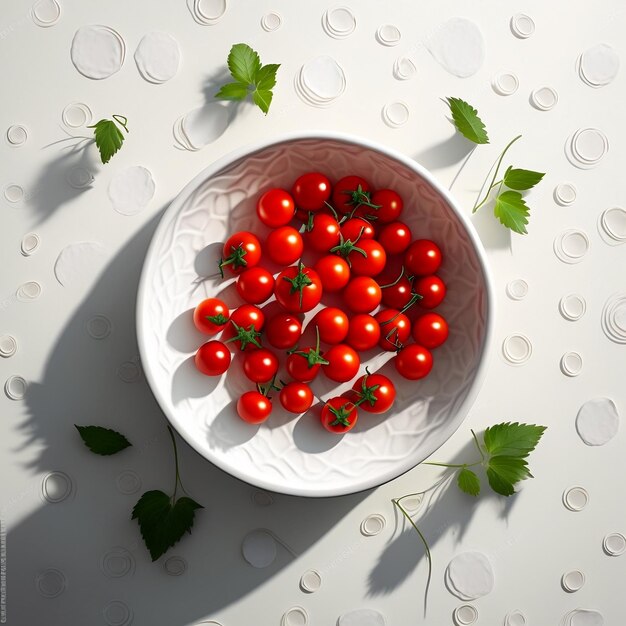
x=493 y=183
x=122 y=121
x=178 y=481
x=404 y=512
x=477 y=445
x=453 y=465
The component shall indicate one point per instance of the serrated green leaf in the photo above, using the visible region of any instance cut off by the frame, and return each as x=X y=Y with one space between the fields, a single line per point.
x=161 y=524
x=520 y=179
x=265 y=78
x=512 y=211
x=232 y=91
x=468 y=482
x=503 y=472
x=466 y=121
x=243 y=63
x=102 y=440
x=109 y=138
x=263 y=99
x=512 y=439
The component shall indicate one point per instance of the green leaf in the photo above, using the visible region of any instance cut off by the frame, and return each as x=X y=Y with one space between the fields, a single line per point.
x=512 y=439
x=263 y=99
x=265 y=78
x=520 y=179
x=102 y=440
x=468 y=482
x=161 y=524
x=503 y=472
x=243 y=63
x=232 y=91
x=109 y=138
x=466 y=120
x=512 y=211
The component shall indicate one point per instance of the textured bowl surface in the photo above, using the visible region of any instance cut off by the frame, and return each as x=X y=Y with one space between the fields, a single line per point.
x=294 y=454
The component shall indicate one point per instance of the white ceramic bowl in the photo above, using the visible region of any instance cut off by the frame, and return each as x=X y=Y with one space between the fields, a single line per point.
x=295 y=455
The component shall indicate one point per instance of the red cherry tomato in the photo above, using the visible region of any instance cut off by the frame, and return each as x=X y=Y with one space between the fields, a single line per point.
x=212 y=358
x=250 y=320
x=334 y=272
x=255 y=285
x=298 y=289
x=375 y=393
x=422 y=258
x=343 y=363
x=362 y=294
x=346 y=196
x=413 y=362
x=302 y=368
x=395 y=328
x=275 y=208
x=323 y=233
x=363 y=332
x=357 y=229
x=372 y=263
x=432 y=289
x=397 y=292
x=430 y=330
x=296 y=397
x=253 y=407
x=339 y=415
x=390 y=205
x=283 y=331
x=332 y=324
x=284 y=245
x=210 y=316
x=260 y=366
x=311 y=191
x=241 y=250
x=395 y=238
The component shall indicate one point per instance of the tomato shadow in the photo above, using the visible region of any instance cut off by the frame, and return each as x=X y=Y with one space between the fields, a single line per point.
x=73 y=532
x=183 y=336
x=227 y=430
x=310 y=437
x=189 y=382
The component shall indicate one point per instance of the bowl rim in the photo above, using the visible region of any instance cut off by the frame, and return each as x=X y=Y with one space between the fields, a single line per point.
x=245 y=151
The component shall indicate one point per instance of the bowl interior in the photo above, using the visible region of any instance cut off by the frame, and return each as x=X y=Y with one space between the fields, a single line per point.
x=294 y=454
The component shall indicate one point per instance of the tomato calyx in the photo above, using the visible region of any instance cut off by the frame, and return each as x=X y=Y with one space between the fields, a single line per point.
x=299 y=282
x=219 y=320
x=342 y=413
x=346 y=246
x=358 y=198
x=245 y=336
x=313 y=356
x=236 y=258
x=267 y=388
x=366 y=394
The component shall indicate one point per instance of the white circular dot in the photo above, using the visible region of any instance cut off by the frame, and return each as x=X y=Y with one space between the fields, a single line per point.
x=175 y=565
x=373 y=525
x=517 y=349
x=412 y=503
x=79 y=177
x=614 y=544
x=50 y=583
x=262 y=498
x=17 y=135
x=117 y=613
x=295 y=616
x=565 y=194
x=395 y=114
x=15 y=387
x=98 y=327
x=572 y=307
x=465 y=614
x=76 y=115
x=310 y=581
x=517 y=289
x=404 y=68
x=339 y=22
x=544 y=98
x=571 y=364
x=505 y=83
x=573 y=581
x=388 y=35
x=515 y=618
x=575 y=498
x=271 y=21
x=29 y=244
x=129 y=372
x=613 y=223
x=259 y=548
x=128 y=482
x=28 y=291
x=614 y=318
x=45 y=13
x=586 y=147
x=13 y=193
x=522 y=25
x=571 y=246
x=56 y=487
x=117 y=562
x=8 y=346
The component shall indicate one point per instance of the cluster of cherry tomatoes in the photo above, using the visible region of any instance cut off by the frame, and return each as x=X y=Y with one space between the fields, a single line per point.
x=343 y=242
